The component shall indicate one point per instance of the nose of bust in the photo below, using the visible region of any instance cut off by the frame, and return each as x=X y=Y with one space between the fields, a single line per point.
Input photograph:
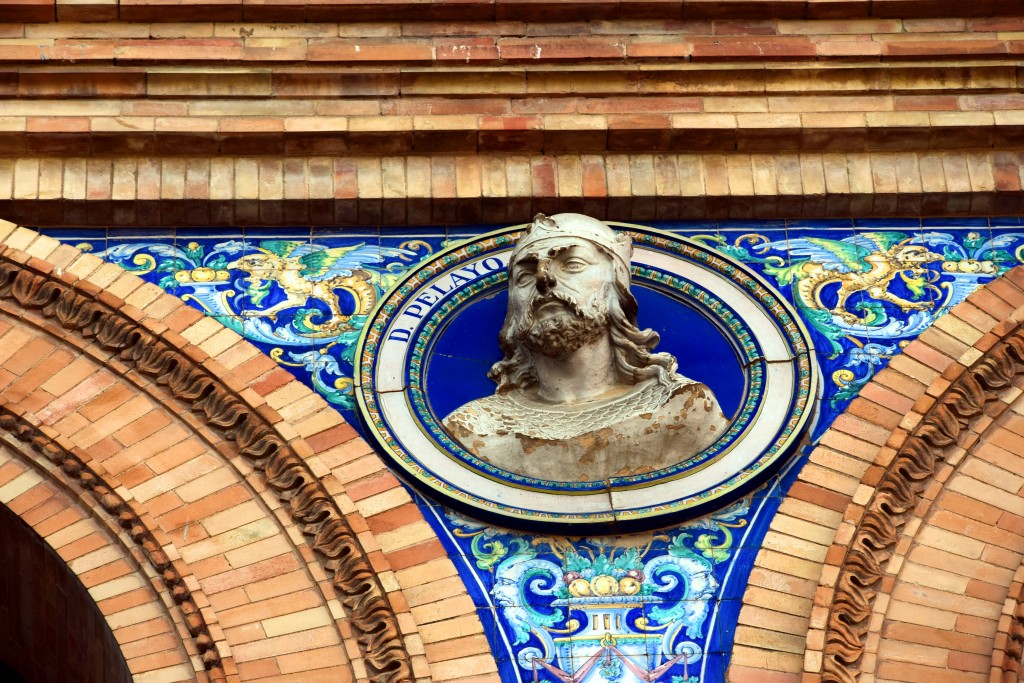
x=545 y=279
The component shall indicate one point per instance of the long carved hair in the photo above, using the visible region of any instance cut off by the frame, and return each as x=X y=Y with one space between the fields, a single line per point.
x=635 y=359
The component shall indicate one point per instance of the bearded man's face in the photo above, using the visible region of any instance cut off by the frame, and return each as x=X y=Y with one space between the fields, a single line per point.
x=559 y=294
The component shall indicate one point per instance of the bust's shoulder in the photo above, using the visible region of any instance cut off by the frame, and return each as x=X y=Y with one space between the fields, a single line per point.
x=693 y=402
x=479 y=414
x=689 y=390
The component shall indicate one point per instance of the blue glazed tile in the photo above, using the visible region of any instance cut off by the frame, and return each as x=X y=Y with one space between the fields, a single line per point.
x=267 y=252
x=1006 y=247
x=142 y=234
x=209 y=234
x=411 y=249
x=632 y=660
x=687 y=228
x=346 y=240
x=385 y=230
x=720 y=640
x=269 y=333
x=74 y=236
x=713 y=667
x=1004 y=222
x=296 y=233
x=886 y=224
x=463 y=231
x=155 y=261
x=494 y=633
x=820 y=224
x=318 y=234
x=762 y=250
x=318 y=361
x=836 y=232
x=752 y=226
x=955 y=222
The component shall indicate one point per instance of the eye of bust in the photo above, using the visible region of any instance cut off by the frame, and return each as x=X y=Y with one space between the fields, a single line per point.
x=575 y=265
x=524 y=277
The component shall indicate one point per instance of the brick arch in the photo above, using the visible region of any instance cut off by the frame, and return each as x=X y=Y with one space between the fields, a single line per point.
x=303 y=556
x=892 y=555
x=104 y=592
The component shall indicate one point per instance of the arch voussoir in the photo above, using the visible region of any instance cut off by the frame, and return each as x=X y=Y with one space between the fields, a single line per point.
x=140 y=370
x=916 y=557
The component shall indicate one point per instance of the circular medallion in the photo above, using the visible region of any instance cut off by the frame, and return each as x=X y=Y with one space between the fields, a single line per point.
x=661 y=446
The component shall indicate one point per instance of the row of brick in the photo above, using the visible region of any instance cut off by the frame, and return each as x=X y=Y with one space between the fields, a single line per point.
x=420 y=10
x=173 y=92
x=500 y=177
x=988 y=27
x=468 y=190
x=549 y=134
x=419 y=212
x=513 y=90
x=184 y=91
x=568 y=49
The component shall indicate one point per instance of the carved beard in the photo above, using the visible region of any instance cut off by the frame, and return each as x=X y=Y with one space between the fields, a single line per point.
x=563 y=333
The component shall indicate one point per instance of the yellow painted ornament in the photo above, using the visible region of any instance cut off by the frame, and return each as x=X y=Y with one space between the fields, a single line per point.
x=604 y=585
x=629 y=586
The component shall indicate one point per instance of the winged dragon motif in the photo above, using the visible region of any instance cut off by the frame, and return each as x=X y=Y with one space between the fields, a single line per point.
x=305 y=271
x=867 y=262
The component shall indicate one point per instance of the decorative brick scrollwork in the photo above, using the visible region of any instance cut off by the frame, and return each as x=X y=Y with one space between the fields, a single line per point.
x=898 y=493
x=115 y=506
x=80 y=310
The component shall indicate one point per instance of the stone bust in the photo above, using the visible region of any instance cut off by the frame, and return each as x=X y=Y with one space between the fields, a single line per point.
x=581 y=395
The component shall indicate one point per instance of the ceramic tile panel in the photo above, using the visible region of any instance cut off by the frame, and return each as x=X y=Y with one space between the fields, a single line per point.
x=660 y=605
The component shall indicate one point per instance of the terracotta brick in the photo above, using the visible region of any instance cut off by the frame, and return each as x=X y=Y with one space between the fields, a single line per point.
x=170 y=50
x=363 y=51
x=763 y=48
x=145 y=629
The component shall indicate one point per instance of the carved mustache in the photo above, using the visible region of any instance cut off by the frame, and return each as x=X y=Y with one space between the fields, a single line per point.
x=555 y=296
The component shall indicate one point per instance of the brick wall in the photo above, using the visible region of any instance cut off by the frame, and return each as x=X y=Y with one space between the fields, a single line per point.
x=220 y=113
x=141 y=114
x=226 y=521
x=37 y=587
x=897 y=553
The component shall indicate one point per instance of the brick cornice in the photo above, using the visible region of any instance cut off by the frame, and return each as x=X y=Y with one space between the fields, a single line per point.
x=388 y=88
x=552 y=134
x=425 y=10
x=420 y=190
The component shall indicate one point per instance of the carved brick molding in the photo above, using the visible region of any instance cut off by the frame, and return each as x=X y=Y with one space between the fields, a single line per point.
x=1007 y=655
x=413 y=10
x=79 y=307
x=396 y=190
x=124 y=516
x=898 y=493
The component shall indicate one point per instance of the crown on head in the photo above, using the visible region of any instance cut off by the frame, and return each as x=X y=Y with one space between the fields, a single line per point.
x=618 y=245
